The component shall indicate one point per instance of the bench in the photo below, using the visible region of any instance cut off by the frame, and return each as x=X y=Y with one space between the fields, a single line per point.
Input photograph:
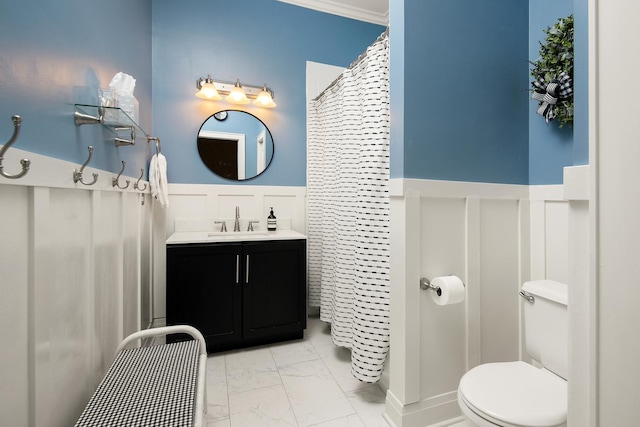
x=157 y=385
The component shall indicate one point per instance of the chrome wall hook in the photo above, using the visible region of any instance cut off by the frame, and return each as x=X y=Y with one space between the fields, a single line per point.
x=114 y=181
x=136 y=185
x=17 y=122
x=77 y=174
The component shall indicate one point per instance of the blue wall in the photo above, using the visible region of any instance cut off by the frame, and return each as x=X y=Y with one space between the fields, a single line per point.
x=581 y=82
x=465 y=78
x=258 y=42
x=396 y=88
x=57 y=53
x=461 y=107
x=550 y=148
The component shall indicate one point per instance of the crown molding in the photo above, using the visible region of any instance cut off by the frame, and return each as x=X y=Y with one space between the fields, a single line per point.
x=345 y=10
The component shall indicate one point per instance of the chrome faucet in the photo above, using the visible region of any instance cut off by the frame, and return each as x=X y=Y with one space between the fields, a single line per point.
x=236 y=225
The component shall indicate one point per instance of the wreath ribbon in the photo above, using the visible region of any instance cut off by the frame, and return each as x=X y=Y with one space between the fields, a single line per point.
x=548 y=94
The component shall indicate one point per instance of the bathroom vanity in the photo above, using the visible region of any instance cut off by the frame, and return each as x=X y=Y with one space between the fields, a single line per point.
x=238 y=289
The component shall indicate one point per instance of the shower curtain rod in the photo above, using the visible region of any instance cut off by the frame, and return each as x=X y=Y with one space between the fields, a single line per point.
x=352 y=65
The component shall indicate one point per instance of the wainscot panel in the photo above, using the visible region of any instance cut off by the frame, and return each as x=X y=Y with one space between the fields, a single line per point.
x=69 y=257
x=494 y=237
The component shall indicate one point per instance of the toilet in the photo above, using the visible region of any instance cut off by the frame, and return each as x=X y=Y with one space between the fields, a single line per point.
x=518 y=394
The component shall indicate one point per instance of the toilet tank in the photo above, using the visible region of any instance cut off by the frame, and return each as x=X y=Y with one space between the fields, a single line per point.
x=546 y=324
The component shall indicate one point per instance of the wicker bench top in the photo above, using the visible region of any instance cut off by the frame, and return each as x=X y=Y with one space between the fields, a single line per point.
x=147 y=386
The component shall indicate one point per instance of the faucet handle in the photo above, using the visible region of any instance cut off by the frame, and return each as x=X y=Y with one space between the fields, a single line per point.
x=223 y=227
x=250 y=228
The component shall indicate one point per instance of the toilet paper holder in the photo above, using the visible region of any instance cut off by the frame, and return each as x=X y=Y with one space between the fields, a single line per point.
x=425 y=284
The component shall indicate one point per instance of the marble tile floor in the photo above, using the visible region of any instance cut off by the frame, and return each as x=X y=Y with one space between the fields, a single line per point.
x=299 y=383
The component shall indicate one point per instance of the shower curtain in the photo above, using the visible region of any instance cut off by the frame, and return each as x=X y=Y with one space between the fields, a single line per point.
x=348 y=209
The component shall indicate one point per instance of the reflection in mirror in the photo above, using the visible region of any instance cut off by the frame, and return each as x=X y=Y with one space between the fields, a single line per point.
x=235 y=145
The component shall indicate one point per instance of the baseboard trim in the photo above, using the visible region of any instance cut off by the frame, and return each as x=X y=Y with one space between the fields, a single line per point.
x=436 y=411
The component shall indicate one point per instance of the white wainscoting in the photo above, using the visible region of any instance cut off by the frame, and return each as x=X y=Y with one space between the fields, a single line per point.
x=204 y=204
x=74 y=275
x=75 y=264
x=549 y=233
x=494 y=237
x=582 y=299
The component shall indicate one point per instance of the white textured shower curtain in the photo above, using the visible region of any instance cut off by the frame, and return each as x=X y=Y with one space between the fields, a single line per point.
x=348 y=209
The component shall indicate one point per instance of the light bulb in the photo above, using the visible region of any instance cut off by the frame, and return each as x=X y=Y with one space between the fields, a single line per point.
x=264 y=99
x=208 y=91
x=237 y=95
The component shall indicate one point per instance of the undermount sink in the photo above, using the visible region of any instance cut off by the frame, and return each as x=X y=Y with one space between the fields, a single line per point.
x=236 y=234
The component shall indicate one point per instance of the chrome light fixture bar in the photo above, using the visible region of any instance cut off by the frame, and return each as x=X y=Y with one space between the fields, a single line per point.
x=262 y=96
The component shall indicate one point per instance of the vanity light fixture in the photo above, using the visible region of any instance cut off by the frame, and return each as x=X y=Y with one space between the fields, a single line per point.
x=207 y=90
x=264 y=98
x=236 y=93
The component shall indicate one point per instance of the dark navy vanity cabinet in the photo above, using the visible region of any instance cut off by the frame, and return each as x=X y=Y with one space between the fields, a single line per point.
x=238 y=294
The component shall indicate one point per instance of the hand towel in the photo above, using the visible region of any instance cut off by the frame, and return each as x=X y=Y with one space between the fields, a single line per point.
x=158 y=179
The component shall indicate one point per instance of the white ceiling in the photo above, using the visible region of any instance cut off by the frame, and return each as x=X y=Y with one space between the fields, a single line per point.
x=374 y=11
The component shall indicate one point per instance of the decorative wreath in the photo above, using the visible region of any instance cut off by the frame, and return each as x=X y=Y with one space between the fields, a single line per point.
x=552 y=73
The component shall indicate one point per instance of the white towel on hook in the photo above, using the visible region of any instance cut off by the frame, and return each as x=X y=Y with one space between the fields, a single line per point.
x=158 y=179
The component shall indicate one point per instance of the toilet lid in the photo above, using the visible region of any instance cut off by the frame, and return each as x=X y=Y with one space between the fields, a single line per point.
x=516 y=393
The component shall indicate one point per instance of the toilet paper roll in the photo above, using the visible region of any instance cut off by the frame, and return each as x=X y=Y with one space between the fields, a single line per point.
x=451 y=290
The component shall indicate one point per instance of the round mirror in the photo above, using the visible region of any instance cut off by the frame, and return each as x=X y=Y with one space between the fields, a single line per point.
x=235 y=145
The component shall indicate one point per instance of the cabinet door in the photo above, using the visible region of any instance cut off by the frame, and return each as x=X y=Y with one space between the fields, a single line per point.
x=204 y=290
x=274 y=292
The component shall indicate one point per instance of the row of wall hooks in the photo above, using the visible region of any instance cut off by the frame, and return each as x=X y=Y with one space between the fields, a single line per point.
x=17 y=123
x=115 y=181
x=124 y=124
x=78 y=175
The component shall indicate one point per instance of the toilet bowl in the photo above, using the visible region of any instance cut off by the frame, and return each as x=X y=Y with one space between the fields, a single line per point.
x=513 y=394
x=518 y=394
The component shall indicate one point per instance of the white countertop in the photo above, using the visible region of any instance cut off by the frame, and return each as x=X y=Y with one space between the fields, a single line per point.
x=232 y=236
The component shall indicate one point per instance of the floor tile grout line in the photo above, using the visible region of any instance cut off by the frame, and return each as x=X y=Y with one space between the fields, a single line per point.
x=355 y=412
x=286 y=393
x=226 y=386
x=223 y=358
x=210 y=395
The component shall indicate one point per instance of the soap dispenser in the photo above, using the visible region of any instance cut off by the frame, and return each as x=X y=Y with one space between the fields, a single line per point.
x=271 y=221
